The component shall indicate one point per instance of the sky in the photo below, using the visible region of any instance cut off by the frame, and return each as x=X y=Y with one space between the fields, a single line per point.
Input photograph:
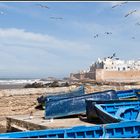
x=34 y=45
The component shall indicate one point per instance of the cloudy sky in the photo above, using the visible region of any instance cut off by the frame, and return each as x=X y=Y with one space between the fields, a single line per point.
x=32 y=44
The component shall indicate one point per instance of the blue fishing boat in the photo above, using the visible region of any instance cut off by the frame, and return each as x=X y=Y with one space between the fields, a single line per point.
x=122 y=94
x=132 y=93
x=110 y=107
x=76 y=92
x=127 y=129
x=74 y=105
x=122 y=114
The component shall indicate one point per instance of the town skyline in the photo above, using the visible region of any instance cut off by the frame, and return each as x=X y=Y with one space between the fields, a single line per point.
x=43 y=39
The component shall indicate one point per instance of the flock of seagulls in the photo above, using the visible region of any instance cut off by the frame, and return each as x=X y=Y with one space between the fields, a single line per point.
x=96 y=35
x=126 y=15
x=41 y=6
x=107 y=33
x=45 y=6
x=129 y=13
x=120 y=4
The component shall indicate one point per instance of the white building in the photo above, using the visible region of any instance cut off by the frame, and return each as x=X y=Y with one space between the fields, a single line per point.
x=114 y=64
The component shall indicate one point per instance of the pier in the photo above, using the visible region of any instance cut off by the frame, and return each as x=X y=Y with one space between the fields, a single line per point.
x=37 y=122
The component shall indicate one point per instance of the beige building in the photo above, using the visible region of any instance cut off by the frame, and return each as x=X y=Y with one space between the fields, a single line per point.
x=111 y=69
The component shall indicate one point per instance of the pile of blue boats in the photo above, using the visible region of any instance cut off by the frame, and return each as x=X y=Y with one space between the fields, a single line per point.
x=117 y=112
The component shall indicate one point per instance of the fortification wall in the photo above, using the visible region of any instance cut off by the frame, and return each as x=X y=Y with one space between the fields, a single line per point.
x=77 y=76
x=90 y=75
x=127 y=76
x=81 y=76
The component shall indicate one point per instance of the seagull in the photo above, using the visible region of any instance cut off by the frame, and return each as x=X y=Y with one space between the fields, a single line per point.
x=115 y=5
x=96 y=36
x=120 y=4
x=114 y=54
x=108 y=33
x=124 y=2
x=133 y=37
x=56 y=17
x=43 y=6
x=131 y=12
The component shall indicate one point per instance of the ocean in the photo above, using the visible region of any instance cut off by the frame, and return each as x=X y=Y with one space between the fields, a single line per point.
x=16 y=83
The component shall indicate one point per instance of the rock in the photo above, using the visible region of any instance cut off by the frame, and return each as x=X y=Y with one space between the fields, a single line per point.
x=54 y=84
x=35 y=85
x=41 y=85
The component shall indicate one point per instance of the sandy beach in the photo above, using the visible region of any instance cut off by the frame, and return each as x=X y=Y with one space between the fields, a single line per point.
x=21 y=101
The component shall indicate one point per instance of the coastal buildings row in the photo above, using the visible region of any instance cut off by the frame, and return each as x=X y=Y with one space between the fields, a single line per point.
x=110 y=69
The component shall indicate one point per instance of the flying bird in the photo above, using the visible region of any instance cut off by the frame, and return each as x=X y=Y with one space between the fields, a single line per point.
x=131 y=12
x=95 y=36
x=115 y=5
x=133 y=37
x=56 y=17
x=43 y=6
x=124 y=3
x=120 y=4
x=114 y=54
x=108 y=33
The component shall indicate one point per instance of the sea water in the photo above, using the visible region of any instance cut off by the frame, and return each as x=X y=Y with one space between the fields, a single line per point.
x=8 y=83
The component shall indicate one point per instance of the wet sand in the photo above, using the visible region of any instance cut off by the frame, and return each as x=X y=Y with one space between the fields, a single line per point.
x=13 y=86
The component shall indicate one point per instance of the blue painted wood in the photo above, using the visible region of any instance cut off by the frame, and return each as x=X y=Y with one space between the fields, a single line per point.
x=138 y=93
x=128 y=93
x=122 y=114
x=109 y=106
x=74 y=132
x=122 y=94
x=127 y=129
x=76 y=92
x=74 y=105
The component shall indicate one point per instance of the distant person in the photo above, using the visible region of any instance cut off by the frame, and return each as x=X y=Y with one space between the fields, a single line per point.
x=31 y=115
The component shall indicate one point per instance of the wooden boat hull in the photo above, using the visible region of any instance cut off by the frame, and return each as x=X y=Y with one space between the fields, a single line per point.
x=123 y=94
x=74 y=105
x=109 y=106
x=122 y=114
x=76 y=92
x=127 y=129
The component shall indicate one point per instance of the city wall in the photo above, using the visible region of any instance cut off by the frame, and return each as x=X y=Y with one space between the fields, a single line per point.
x=128 y=76
x=81 y=76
